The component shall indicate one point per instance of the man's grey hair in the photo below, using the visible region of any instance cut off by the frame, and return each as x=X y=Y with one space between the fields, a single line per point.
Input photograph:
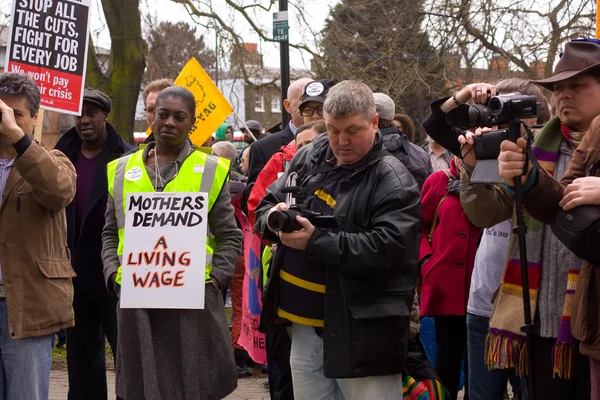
x=349 y=98
x=13 y=84
x=226 y=150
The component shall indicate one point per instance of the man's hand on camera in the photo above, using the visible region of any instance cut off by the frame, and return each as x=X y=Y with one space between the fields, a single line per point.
x=583 y=191
x=9 y=128
x=512 y=160
x=467 y=142
x=278 y=207
x=298 y=239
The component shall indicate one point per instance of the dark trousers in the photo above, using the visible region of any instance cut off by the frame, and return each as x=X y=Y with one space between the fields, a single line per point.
x=279 y=346
x=549 y=388
x=95 y=321
x=451 y=339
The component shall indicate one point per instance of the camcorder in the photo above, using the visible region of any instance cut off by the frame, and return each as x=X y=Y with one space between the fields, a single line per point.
x=499 y=110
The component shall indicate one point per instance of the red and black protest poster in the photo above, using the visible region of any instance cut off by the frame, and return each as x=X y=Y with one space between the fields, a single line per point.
x=48 y=41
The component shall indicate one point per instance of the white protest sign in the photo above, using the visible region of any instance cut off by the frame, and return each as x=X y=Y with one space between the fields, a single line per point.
x=164 y=251
x=48 y=41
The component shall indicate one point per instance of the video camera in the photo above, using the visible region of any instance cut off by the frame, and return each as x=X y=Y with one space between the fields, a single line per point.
x=500 y=110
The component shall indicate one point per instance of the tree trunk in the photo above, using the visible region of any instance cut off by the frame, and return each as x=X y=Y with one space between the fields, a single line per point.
x=126 y=66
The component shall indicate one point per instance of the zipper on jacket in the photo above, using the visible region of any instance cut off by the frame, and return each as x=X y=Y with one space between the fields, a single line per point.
x=18 y=201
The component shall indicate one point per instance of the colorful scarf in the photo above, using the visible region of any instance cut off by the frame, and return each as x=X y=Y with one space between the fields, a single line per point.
x=429 y=389
x=506 y=345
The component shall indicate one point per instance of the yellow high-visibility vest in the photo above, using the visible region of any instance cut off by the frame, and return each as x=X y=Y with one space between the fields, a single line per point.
x=199 y=172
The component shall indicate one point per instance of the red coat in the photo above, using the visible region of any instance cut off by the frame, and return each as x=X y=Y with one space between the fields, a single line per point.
x=447 y=274
x=268 y=175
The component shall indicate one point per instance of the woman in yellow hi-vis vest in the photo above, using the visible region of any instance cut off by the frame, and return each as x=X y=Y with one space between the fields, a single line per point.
x=174 y=353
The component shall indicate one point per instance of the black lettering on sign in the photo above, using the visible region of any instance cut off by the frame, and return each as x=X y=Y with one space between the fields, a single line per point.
x=50 y=34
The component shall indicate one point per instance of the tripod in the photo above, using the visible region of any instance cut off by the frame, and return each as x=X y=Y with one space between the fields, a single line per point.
x=514 y=133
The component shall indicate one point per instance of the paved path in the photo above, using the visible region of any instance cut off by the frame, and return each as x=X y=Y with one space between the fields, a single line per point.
x=248 y=388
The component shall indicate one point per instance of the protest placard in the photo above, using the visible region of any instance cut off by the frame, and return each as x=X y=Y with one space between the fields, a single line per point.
x=251 y=338
x=48 y=41
x=212 y=108
x=164 y=250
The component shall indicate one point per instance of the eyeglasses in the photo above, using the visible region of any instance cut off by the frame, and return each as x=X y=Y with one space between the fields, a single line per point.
x=308 y=111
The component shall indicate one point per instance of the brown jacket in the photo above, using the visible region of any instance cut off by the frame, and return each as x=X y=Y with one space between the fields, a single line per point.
x=542 y=204
x=36 y=269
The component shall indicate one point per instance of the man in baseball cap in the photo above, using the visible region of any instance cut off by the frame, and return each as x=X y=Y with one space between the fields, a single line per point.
x=254 y=127
x=90 y=145
x=414 y=158
x=313 y=97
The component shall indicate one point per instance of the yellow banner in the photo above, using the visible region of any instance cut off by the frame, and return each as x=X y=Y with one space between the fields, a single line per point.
x=211 y=106
x=597 y=20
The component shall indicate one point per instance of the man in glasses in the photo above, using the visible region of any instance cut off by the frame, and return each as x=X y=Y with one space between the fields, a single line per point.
x=313 y=97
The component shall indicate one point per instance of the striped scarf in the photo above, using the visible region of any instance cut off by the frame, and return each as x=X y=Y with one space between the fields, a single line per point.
x=429 y=389
x=506 y=345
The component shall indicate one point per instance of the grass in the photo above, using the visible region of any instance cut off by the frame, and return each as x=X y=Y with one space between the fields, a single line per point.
x=59 y=358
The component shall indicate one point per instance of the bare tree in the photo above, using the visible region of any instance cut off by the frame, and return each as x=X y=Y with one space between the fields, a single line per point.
x=527 y=33
x=122 y=77
x=170 y=46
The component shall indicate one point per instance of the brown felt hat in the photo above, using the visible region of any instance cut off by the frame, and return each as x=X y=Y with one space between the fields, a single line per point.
x=579 y=57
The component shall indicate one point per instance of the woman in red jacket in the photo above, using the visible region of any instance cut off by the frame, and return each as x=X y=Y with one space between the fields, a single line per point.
x=448 y=245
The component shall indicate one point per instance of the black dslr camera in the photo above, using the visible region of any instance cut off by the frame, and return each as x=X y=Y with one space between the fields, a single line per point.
x=500 y=110
x=285 y=221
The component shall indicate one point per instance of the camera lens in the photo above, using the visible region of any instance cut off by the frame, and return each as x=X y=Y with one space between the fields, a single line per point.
x=468 y=116
x=496 y=105
x=478 y=115
x=278 y=220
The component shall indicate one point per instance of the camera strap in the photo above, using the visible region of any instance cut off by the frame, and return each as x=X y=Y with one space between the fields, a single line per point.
x=529 y=156
x=340 y=170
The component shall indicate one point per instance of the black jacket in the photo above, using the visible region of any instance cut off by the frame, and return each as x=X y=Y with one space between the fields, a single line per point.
x=414 y=158
x=260 y=153
x=439 y=130
x=371 y=263
x=86 y=247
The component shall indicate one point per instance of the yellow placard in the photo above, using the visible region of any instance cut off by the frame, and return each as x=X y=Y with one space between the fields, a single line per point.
x=212 y=108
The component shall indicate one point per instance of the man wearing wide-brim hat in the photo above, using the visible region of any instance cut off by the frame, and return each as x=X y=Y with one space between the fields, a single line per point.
x=561 y=370
x=575 y=84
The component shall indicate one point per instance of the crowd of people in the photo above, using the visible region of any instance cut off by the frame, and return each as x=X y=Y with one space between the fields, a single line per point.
x=365 y=233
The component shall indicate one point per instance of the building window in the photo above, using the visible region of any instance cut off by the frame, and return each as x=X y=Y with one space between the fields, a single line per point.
x=259 y=103
x=275 y=105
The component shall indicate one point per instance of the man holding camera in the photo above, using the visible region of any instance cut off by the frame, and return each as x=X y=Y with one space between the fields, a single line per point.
x=346 y=291
x=35 y=281
x=490 y=258
x=552 y=268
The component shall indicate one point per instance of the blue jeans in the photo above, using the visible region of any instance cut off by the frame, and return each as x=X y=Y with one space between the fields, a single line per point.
x=485 y=384
x=24 y=363
x=310 y=383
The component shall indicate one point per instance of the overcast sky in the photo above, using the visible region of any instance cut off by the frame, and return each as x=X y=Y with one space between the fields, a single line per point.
x=315 y=11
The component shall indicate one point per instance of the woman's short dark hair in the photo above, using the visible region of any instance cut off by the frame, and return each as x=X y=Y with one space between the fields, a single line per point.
x=13 y=84
x=408 y=127
x=318 y=126
x=184 y=94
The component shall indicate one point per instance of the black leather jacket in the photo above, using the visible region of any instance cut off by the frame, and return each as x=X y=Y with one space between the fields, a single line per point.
x=371 y=263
